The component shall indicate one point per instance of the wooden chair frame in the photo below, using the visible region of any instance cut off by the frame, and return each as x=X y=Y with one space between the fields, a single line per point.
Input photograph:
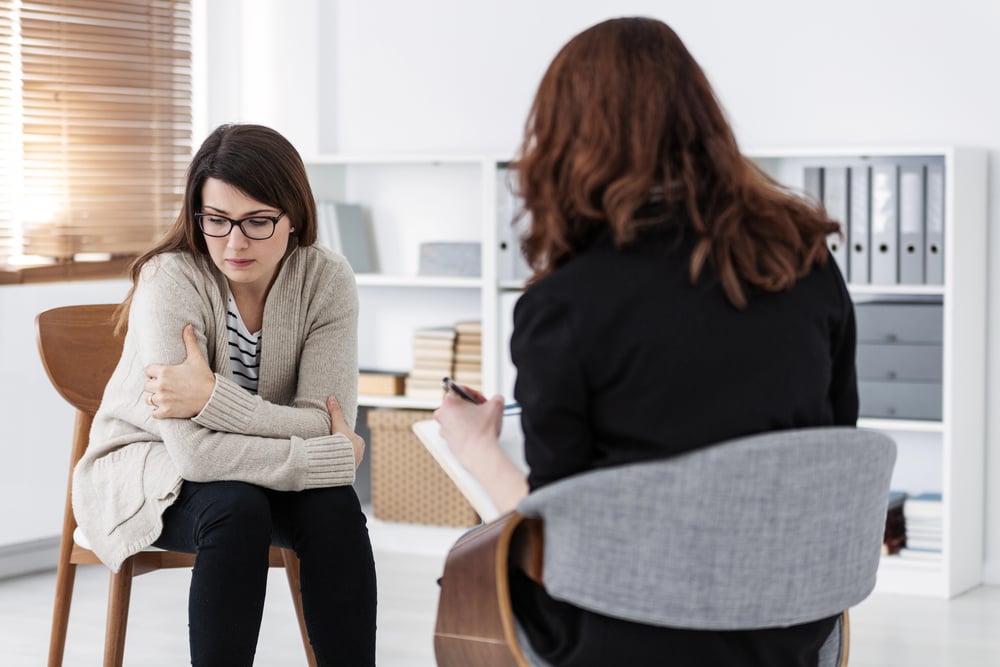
x=475 y=619
x=79 y=352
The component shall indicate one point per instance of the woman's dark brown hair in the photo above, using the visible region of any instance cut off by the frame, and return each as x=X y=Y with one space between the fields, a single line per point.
x=254 y=159
x=625 y=116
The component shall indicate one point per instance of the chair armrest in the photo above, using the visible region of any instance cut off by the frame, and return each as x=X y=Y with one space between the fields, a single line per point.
x=527 y=548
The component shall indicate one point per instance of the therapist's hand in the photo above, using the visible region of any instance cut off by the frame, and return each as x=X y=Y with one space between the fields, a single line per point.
x=470 y=430
x=180 y=391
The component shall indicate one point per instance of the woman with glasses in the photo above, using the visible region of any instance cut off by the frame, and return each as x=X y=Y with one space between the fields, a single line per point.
x=680 y=298
x=227 y=426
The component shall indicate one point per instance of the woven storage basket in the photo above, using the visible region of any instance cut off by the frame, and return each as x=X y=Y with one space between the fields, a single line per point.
x=407 y=483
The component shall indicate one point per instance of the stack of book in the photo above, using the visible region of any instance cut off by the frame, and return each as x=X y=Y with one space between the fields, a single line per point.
x=433 y=360
x=469 y=354
x=895 y=524
x=923 y=526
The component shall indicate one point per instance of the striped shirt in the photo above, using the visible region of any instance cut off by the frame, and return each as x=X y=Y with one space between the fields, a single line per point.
x=244 y=349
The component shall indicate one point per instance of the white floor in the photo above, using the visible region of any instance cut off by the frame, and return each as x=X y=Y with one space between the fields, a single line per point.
x=886 y=630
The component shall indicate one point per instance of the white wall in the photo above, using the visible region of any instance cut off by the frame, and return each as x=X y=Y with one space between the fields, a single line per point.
x=378 y=76
x=457 y=76
x=36 y=424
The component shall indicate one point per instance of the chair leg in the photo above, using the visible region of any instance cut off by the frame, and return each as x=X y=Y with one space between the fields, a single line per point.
x=845 y=638
x=292 y=572
x=65 y=577
x=119 y=595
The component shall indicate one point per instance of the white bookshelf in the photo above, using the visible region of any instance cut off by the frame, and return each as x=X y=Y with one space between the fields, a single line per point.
x=408 y=199
x=945 y=455
x=414 y=198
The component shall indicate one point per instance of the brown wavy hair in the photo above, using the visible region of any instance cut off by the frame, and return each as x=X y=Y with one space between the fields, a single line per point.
x=254 y=159
x=624 y=116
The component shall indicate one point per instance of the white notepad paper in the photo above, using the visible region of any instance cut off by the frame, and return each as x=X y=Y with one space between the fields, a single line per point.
x=511 y=442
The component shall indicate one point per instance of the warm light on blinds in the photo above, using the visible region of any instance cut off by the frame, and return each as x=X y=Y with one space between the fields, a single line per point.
x=95 y=126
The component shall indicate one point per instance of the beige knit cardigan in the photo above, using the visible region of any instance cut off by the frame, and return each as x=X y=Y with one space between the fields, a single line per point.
x=280 y=439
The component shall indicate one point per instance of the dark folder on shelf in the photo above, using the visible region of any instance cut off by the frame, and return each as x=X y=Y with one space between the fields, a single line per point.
x=885 y=225
x=934 y=228
x=911 y=224
x=859 y=236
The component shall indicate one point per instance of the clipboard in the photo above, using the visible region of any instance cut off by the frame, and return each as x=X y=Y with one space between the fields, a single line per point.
x=511 y=442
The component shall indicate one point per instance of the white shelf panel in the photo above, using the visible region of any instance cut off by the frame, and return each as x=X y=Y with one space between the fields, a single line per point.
x=912 y=577
x=847 y=151
x=893 y=290
x=396 y=280
x=912 y=425
x=398 y=402
x=347 y=160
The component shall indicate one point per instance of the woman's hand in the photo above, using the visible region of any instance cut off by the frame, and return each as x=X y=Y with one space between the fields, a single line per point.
x=182 y=390
x=470 y=430
x=339 y=425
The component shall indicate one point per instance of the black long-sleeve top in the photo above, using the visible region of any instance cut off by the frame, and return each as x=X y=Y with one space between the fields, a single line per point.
x=621 y=359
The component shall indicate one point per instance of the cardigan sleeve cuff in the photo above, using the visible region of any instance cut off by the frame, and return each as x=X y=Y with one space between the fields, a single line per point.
x=329 y=461
x=229 y=409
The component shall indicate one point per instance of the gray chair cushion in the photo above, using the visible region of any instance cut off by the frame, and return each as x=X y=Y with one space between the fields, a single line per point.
x=765 y=531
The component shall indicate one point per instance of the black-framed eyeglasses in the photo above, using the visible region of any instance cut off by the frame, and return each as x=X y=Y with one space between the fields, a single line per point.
x=256 y=227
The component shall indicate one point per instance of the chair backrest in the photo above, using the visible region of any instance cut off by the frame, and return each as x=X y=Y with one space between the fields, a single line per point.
x=79 y=351
x=764 y=531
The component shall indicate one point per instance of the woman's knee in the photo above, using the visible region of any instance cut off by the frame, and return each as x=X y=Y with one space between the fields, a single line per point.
x=330 y=516
x=234 y=509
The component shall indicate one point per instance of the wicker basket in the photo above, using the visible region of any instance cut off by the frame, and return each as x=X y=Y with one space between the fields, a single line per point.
x=407 y=483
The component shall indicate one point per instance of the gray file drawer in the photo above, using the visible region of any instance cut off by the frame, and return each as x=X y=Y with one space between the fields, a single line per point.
x=899 y=361
x=900 y=400
x=883 y=322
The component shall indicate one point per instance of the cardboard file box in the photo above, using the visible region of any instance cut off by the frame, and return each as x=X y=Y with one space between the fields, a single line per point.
x=407 y=483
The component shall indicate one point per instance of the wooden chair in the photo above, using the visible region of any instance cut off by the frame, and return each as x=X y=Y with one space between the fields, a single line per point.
x=80 y=351
x=809 y=506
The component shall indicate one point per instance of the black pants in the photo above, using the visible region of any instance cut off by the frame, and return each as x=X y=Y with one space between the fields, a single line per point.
x=231 y=525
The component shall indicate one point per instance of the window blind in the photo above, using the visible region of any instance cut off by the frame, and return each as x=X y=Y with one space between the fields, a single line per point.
x=101 y=134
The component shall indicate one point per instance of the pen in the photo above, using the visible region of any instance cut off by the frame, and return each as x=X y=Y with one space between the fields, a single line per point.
x=450 y=385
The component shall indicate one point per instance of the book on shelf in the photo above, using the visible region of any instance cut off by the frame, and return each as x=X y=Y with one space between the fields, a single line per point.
x=464 y=346
x=428 y=374
x=381 y=383
x=343 y=228
x=926 y=504
x=433 y=359
x=421 y=351
x=894 y=537
x=924 y=523
x=908 y=553
x=470 y=327
x=468 y=377
x=469 y=354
